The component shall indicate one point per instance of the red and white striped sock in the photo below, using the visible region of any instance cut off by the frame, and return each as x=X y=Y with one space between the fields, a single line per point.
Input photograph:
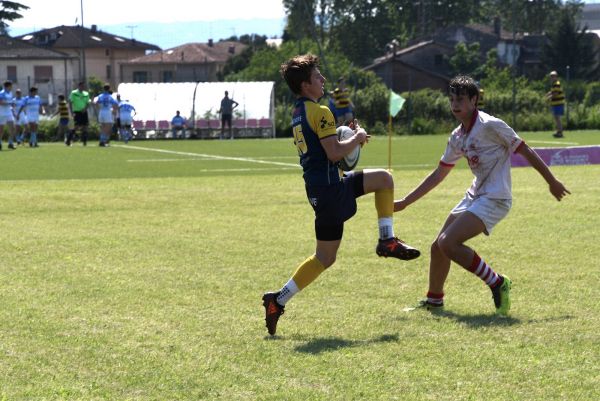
x=435 y=299
x=484 y=271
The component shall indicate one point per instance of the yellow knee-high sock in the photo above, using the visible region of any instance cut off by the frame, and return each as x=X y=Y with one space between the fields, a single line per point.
x=384 y=202
x=308 y=271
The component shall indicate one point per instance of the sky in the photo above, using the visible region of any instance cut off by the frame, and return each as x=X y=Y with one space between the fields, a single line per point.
x=173 y=23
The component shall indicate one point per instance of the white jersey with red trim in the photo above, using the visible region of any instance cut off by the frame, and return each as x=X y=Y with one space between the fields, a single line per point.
x=487 y=147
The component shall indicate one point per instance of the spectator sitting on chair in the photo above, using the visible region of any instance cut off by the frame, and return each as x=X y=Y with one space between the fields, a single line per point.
x=178 y=125
x=226 y=110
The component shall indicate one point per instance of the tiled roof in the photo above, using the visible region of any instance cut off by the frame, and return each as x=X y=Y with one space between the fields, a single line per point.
x=196 y=53
x=15 y=48
x=66 y=37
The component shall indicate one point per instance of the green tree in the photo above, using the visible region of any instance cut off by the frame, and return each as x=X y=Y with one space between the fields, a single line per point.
x=301 y=19
x=95 y=86
x=264 y=66
x=533 y=16
x=9 y=11
x=570 y=45
x=240 y=61
x=466 y=58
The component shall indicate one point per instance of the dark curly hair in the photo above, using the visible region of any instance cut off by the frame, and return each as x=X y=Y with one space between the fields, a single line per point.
x=463 y=85
x=297 y=70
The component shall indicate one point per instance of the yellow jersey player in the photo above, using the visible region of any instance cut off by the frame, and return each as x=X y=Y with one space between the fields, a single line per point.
x=556 y=97
x=333 y=198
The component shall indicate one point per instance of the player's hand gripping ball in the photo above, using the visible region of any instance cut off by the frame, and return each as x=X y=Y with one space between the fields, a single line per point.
x=348 y=162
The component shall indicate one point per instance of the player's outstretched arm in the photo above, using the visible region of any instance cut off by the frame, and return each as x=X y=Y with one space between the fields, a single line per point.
x=557 y=189
x=430 y=182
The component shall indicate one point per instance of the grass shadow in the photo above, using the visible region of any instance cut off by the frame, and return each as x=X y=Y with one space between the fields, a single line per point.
x=328 y=344
x=480 y=320
x=476 y=321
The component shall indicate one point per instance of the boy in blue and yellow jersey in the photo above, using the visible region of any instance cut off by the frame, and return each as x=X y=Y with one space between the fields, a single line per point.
x=342 y=102
x=332 y=197
x=556 y=97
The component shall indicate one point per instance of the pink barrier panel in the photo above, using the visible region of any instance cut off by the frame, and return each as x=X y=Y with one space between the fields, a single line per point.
x=575 y=155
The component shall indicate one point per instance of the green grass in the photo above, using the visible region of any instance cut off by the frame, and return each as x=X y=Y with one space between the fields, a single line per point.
x=131 y=274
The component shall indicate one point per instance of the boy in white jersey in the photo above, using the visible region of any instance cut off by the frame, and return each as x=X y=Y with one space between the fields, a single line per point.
x=486 y=142
x=7 y=116
x=21 y=117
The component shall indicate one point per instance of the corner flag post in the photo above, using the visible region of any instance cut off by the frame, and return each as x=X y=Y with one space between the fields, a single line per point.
x=396 y=103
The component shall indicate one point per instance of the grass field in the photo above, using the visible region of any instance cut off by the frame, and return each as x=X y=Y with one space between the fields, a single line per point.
x=136 y=272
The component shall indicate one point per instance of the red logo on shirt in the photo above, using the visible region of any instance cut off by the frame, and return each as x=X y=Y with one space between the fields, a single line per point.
x=473 y=161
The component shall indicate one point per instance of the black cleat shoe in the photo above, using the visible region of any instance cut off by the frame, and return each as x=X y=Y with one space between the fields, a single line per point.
x=11 y=146
x=272 y=311
x=424 y=304
x=558 y=135
x=396 y=248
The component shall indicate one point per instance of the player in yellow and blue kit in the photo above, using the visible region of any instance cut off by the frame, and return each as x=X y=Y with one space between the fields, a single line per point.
x=332 y=197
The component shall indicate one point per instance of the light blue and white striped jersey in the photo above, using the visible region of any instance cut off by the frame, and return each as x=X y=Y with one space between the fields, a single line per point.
x=6 y=102
x=32 y=104
x=125 y=110
x=19 y=102
x=105 y=101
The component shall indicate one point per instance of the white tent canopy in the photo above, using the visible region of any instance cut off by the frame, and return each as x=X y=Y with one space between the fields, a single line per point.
x=160 y=101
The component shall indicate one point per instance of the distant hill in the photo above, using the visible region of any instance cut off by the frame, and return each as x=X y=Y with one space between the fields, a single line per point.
x=167 y=35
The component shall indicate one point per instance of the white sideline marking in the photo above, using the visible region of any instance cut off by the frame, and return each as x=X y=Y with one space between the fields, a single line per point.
x=555 y=142
x=195 y=159
x=240 y=159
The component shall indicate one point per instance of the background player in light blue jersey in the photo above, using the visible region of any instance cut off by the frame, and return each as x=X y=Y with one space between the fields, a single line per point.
x=7 y=117
x=126 y=113
x=21 y=118
x=107 y=107
x=33 y=108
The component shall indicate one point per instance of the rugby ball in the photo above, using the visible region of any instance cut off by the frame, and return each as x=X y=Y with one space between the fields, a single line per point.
x=348 y=162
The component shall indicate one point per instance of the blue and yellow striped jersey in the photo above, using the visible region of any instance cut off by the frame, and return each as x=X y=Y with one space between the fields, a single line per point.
x=341 y=98
x=312 y=122
x=558 y=96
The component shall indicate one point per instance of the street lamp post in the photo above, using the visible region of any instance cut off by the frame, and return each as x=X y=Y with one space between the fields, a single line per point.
x=82 y=71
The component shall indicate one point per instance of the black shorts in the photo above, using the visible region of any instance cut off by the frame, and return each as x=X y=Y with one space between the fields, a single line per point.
x=334 y=204
x=226 y=118
x=81 y=117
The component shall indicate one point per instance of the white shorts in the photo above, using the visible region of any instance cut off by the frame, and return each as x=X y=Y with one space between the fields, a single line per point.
x=489 y=211
x=6 y=118
x=22 y=119
x=105 y=117
x=33 y=117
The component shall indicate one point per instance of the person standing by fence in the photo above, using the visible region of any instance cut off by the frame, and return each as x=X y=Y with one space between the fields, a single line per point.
x=226 y=110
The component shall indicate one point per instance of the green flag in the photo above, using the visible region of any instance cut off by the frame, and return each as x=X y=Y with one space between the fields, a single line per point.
x=396 y=103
